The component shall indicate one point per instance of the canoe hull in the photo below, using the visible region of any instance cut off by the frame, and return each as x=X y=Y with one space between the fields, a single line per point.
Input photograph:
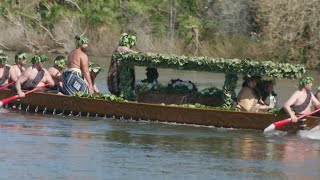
x=156 y=112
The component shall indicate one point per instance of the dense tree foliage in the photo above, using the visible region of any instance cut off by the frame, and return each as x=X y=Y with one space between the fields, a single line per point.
x=283 y=31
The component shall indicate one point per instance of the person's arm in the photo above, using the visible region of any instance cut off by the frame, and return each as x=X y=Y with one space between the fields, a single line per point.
x=55 y=74
x=23 y=78
x=48 y=79
x=125 y=49
x=84 y=65
x=288 y=104
x=95 y=88
x=13 y=74
x=315 y=101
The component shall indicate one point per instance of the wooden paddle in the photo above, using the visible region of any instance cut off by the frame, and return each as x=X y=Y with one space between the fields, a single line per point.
x=7 y=85
x=278 y=124
x=7 y=100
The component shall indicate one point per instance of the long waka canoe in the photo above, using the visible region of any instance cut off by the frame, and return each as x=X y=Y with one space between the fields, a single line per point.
x=71 y=105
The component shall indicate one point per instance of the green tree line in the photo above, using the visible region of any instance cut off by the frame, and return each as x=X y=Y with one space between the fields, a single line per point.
x=282 y=31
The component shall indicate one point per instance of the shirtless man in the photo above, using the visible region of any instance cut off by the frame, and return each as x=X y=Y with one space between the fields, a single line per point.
x=17 y=69
x=301 y=100
x=34 y=76
x=4 y=69
x=124 y=45
x=56 y=70
x=78 y=67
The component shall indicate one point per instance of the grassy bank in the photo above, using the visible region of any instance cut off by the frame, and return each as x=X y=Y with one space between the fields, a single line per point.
x=283 y=31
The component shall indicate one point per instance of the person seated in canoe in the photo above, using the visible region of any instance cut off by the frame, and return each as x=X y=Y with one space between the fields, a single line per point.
x=94 y=70
x=56 y=70
x=4 y=69
x=269 y=97
x=124 y=45
x=77 y=68
x=301 y=101
x=20 y=61
x=16 y=70
x=34 y=76
x=248 y=98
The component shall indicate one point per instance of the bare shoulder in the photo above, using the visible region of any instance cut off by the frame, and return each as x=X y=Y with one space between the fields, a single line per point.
x=45 y=70
x=14 y=67
x=27 y=72
x=52 y=70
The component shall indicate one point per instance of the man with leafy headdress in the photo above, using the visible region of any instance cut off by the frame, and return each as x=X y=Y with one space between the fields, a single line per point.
x=124 y=46
x=20 y=61
x=301 y=100
x=4 y=69
x=34 y=76
x=77 y=69
x=59 y=64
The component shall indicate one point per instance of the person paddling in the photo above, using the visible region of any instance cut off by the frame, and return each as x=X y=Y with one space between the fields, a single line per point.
x=301 y=101
x=34 y=76
x=56 y=70
x=4 y=69
x=124 y=45
x=77 y=68
x=20 y=61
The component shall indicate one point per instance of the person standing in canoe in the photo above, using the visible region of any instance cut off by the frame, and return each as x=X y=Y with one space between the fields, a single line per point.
x=4 y=69
x=77 y=68
x=20 y=61
x=248 y=98
x=124 y=45
x=56 y=70
x=34 y=76
x=301 y=100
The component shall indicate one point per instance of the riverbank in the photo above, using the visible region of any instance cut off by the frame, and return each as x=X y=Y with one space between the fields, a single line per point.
x=226 y=29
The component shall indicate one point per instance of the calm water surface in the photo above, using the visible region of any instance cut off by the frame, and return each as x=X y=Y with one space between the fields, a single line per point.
x=38 y=146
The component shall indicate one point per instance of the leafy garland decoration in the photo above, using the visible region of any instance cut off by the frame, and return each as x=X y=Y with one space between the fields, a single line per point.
x=245 y=67
x=229 y=93
x=126 y=81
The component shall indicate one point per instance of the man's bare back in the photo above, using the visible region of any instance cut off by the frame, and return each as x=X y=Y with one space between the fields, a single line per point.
x=75 y=57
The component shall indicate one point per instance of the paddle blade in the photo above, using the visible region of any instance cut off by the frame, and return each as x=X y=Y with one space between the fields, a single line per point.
x=6 y=100
x=276 y=125
x=271 y=127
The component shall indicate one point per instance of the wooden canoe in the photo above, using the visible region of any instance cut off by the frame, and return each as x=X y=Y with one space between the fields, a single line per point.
x=70 y=105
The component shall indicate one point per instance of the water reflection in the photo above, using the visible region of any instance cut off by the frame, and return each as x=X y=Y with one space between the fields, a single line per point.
x=55 y=146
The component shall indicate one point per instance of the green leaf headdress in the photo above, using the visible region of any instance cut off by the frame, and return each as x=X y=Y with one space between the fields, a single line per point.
x=127 y=40
x=3 y=59
x=20 y=57
x=305 y=80
x=39 y=59
x=60 y=62
x=94 y=68
x=81 y=40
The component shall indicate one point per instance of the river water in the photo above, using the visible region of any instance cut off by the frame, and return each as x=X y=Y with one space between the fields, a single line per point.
x=36 y=146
